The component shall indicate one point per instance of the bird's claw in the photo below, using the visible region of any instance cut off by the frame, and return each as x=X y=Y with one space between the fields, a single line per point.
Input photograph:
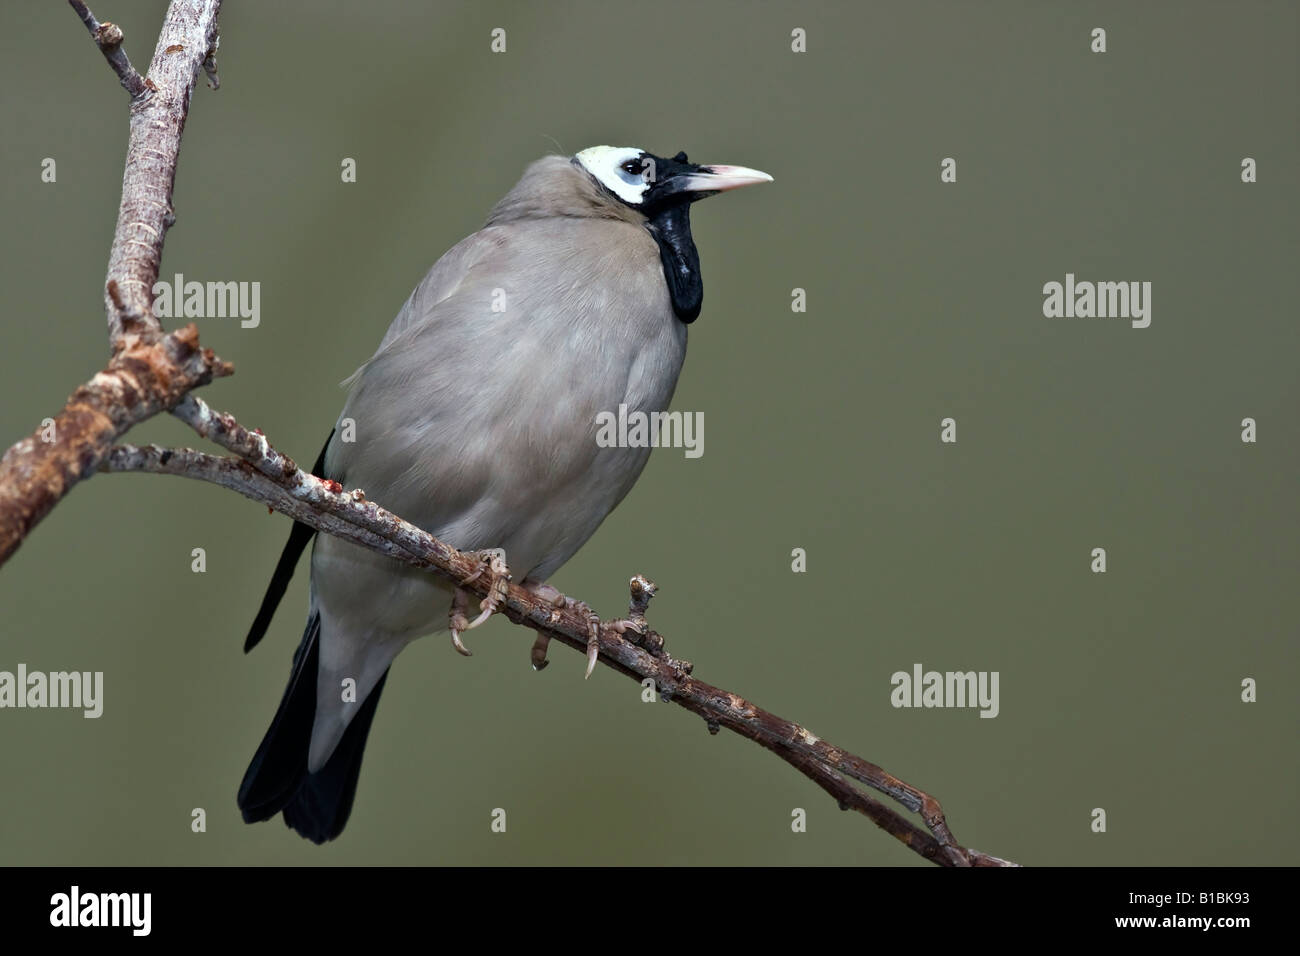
x=593 y=645
x=538 y=653
x=635 y=624
x=458 y=622
x=625 y=624
x=493 y=561
x=547 y=594
x=593 y=630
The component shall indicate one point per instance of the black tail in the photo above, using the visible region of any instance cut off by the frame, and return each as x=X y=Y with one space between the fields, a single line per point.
x=315 y=804
x=299 y=536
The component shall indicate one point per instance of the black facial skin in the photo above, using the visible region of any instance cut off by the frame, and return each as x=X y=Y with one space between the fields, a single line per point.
x=668 y=183
x=671 y=229
x=667 y=206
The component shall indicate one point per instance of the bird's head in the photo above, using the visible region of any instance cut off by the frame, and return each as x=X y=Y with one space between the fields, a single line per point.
x=663 y=190
x=651 y=184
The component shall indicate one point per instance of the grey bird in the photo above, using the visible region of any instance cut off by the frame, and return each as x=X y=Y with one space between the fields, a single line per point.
x=476 y=420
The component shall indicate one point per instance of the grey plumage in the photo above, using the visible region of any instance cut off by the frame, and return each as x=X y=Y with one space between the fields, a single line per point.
x=479 y=426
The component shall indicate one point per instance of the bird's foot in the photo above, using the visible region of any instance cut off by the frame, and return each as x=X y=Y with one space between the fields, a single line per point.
x=551 y=596
x=493 y=561
x=633 y=628
x=547 y=594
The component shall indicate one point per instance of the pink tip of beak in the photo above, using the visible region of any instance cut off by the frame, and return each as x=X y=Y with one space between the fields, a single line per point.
x=721 y=178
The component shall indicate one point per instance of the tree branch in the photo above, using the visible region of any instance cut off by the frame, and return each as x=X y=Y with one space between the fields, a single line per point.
x=108 y=37
x=151 y=372
x=140 y=381
x=188 y=37
x=265 y=475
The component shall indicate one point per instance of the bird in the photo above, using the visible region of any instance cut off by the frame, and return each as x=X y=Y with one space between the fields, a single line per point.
x=475 y=420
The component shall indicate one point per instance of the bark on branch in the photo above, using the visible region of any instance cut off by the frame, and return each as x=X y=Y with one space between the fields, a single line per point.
x=151 y=372
x=140 y=381
x=160 y=105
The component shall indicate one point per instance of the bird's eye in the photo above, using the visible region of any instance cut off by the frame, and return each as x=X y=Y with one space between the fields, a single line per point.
x=633 y=167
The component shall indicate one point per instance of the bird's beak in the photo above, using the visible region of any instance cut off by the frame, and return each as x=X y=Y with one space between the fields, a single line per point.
x=716 y=179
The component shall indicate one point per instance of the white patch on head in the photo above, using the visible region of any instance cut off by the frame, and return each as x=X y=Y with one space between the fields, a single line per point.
x=606 y=164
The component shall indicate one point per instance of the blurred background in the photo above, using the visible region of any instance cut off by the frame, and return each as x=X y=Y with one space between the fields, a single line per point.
x=1118 y=690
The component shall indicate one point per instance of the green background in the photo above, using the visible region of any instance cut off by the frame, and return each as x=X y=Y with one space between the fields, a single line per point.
x=1119 y=691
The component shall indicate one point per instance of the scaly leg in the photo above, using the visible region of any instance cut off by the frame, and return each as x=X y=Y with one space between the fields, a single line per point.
x=494 y=562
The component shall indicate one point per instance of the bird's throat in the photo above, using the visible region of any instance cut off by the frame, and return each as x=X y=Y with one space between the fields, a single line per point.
x=671 y=229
